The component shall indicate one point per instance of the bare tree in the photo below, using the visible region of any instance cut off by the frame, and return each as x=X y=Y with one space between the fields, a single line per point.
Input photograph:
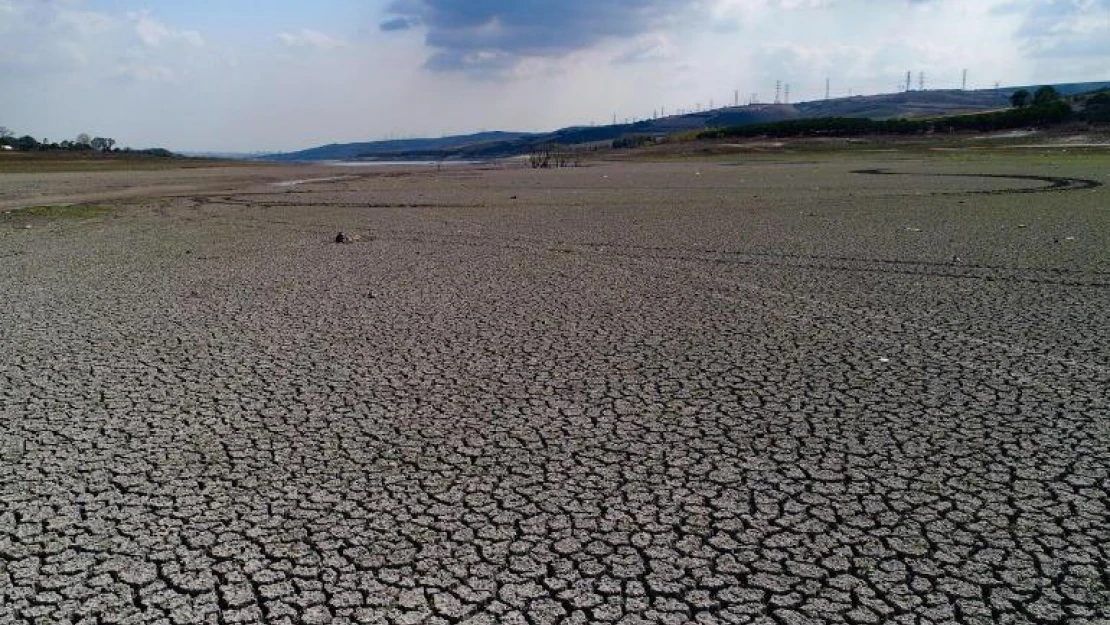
x=84 y=139
x=102 y=144
x=540 y=159
x=5 y=132
x=552 y=157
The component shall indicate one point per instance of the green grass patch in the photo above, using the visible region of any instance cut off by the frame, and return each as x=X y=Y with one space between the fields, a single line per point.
x=1047 y=114
x=50 y=162
x=50 y=213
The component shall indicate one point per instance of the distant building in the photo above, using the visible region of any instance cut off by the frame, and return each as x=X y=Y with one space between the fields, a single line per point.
x=6 y=147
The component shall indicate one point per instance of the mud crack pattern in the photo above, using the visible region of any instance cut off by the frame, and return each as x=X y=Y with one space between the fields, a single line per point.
x=527 y=398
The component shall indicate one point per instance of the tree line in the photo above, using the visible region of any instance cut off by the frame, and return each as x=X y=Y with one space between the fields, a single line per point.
x=82 y=143
x=1042 y=108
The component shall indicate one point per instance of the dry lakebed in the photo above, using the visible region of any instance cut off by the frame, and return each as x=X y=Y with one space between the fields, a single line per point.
x=779 y=390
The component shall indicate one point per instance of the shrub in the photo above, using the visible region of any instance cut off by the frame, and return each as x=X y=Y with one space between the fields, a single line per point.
x=1054 y=112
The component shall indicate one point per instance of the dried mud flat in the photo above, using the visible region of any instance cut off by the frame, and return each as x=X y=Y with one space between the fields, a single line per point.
x=750 y=392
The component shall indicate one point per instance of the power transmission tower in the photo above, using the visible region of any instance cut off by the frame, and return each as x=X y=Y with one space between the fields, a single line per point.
x=909 y=78
x=964 y=87
x=786 y=94
x=921 y=81
x=778 y=92
x=828 y=83
x=736 y=98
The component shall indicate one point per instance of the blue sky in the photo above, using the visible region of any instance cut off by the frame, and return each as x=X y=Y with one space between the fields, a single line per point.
x=249 y=75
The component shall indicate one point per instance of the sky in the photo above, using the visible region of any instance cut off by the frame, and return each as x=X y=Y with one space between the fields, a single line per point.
x=273 y=75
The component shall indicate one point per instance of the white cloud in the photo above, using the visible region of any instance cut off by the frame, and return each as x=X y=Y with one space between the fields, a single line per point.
x=748 y=10
x=648 y=48
x=154 y=33
x=310 y=39
x=137 y=69
x=74 y=22
x=141 y=72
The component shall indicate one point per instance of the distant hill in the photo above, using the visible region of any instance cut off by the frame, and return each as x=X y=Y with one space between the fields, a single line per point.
x=489 y=145
x=1065 y=89
x=907 y=104
x=386 y=149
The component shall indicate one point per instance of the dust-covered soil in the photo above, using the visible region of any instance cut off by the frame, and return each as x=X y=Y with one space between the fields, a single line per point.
x=838 y=390
x=30 y=182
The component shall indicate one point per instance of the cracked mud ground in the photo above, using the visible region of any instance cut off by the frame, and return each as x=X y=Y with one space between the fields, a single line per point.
x=673 y=393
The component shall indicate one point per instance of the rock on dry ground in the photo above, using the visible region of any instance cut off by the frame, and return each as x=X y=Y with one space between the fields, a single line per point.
x=749 y=392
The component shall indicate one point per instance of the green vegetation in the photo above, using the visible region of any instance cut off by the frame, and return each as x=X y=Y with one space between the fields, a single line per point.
x=632 y=141
x=1097 y=110
x=1044 y=107
x=44 y=162
x=44 y=213
x=1052 y=112
x=83 y=143
x=1045 y=95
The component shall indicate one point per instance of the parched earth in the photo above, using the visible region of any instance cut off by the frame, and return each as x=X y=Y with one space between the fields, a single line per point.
x=755 y=392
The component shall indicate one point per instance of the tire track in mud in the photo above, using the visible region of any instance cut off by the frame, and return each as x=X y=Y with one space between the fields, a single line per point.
x=1055 y=276
x=834 y=263
x=1055 y=183
x=811 y=262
